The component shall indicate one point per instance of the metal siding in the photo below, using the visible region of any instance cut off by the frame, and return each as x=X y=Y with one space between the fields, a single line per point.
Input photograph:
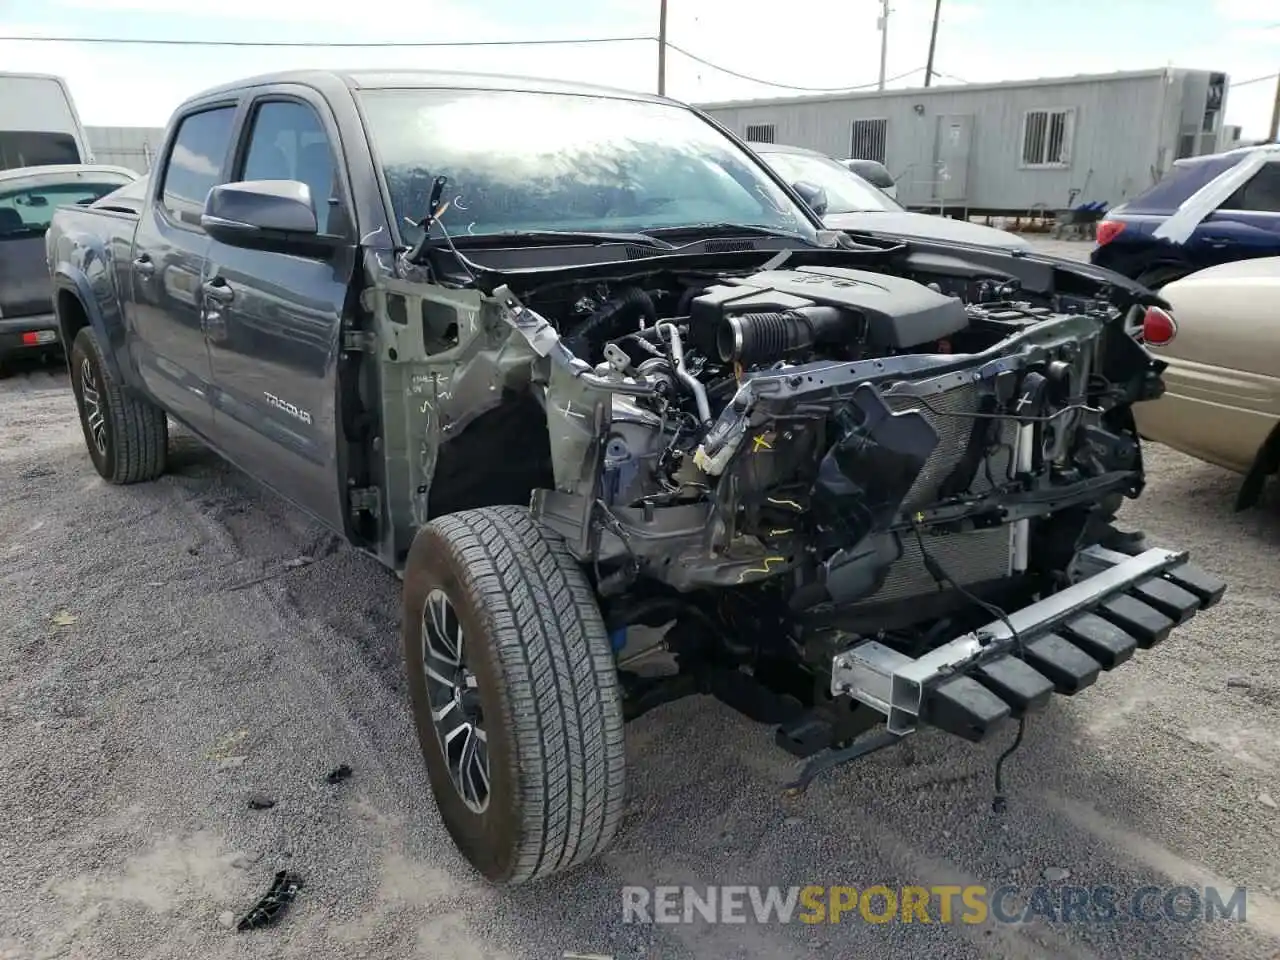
x=132 y=147
x=1122 y=127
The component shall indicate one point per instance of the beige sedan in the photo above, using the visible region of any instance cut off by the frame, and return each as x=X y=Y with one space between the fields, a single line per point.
x=1222 y=344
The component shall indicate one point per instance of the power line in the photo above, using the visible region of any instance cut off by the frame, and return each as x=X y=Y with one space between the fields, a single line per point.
x=316 y=43
x=410 y=44
x=1245 y=83
x=786 y=86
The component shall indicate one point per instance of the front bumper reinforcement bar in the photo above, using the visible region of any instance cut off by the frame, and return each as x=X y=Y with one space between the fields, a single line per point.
x=969 y=685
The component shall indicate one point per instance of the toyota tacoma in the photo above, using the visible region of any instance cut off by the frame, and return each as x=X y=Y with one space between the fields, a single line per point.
x=574 y=361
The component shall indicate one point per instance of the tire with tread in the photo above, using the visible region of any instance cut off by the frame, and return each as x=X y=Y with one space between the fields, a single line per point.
x=136 y=430
x=547 y=682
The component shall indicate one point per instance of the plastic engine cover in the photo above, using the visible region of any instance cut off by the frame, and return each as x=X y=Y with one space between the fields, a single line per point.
x=897 y=313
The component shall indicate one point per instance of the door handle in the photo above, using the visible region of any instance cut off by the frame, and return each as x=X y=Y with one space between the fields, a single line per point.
x=218 y=290
x=143 y=266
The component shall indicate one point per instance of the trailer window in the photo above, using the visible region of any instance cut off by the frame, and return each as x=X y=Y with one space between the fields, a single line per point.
x=1046 y=138
x=30 y=148
x=868 y=140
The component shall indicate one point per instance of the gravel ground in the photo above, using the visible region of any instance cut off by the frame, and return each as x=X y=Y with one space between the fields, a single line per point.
x=167 y=651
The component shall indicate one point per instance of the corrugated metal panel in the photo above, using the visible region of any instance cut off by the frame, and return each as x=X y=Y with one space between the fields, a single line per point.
x=1117 y=133
x=132 y=147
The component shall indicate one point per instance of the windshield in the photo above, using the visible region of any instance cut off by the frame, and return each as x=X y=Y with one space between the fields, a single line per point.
x=27 y=211
x=846 y=191
x=550 y=161
x=26 y=148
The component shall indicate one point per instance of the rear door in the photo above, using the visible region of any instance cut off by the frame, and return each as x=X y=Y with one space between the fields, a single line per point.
x=166 y=309
x=275 y=345
x=1246 y=225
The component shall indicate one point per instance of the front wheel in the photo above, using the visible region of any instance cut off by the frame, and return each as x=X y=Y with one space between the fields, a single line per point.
x=514 y=693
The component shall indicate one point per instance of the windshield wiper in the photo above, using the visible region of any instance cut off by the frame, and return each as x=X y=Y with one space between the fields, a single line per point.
x=751 y=229
x=554 y=236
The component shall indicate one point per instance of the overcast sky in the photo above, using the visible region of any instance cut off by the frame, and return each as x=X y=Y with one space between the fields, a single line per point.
x=807 y=43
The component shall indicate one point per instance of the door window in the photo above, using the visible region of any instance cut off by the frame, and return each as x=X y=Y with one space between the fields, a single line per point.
x=288 y=142
x=1261 y=192
x=195 y=163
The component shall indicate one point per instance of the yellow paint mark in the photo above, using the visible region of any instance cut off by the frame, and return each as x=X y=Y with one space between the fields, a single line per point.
x=760 y=442
x=785 y=503
x=778 y=533
x=763 y=571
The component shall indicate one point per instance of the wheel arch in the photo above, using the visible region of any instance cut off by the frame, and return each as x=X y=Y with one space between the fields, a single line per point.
x=1266 y=463
x=75 y=307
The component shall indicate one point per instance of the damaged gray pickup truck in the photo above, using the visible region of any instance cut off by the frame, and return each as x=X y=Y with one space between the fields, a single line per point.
x=574 y=361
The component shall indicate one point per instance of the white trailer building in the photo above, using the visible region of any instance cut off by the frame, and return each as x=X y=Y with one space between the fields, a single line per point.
x=1006 y=148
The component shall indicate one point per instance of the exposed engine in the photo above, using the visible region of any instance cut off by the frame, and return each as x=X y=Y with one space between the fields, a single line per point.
x=828 y=422
x=710 y=339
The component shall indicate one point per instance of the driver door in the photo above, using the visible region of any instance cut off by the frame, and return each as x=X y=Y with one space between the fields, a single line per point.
x=275 y=345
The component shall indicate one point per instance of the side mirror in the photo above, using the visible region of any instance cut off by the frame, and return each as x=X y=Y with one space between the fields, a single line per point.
x=261 y=214
x=813 y=195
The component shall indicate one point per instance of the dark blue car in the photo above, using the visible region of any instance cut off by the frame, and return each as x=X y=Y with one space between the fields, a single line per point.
x=1210 y=209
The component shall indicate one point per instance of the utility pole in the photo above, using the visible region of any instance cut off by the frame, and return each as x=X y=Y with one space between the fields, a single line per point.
x=933 y=42
x=884 y=38
x=662 y=48
x=1275 y=115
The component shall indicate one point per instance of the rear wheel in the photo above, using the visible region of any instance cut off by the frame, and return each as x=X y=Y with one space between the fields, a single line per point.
x=514 y=693
x=127 y=436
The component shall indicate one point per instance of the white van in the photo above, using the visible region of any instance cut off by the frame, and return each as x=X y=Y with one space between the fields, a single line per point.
x=38 y=123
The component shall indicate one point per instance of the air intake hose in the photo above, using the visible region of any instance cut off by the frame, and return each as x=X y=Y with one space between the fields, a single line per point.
x=607 y=321
x=763 y=337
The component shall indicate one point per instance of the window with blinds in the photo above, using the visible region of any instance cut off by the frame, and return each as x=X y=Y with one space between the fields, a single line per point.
x=867 y=140
x=1046 y=138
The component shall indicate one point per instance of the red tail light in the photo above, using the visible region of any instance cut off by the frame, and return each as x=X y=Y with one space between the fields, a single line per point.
x=1108 y=230
x=1158 y=327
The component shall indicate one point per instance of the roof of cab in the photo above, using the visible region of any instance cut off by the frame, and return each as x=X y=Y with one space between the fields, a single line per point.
x=427 y=80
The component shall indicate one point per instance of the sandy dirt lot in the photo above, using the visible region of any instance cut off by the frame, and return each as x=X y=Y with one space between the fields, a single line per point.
x=167 y=650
